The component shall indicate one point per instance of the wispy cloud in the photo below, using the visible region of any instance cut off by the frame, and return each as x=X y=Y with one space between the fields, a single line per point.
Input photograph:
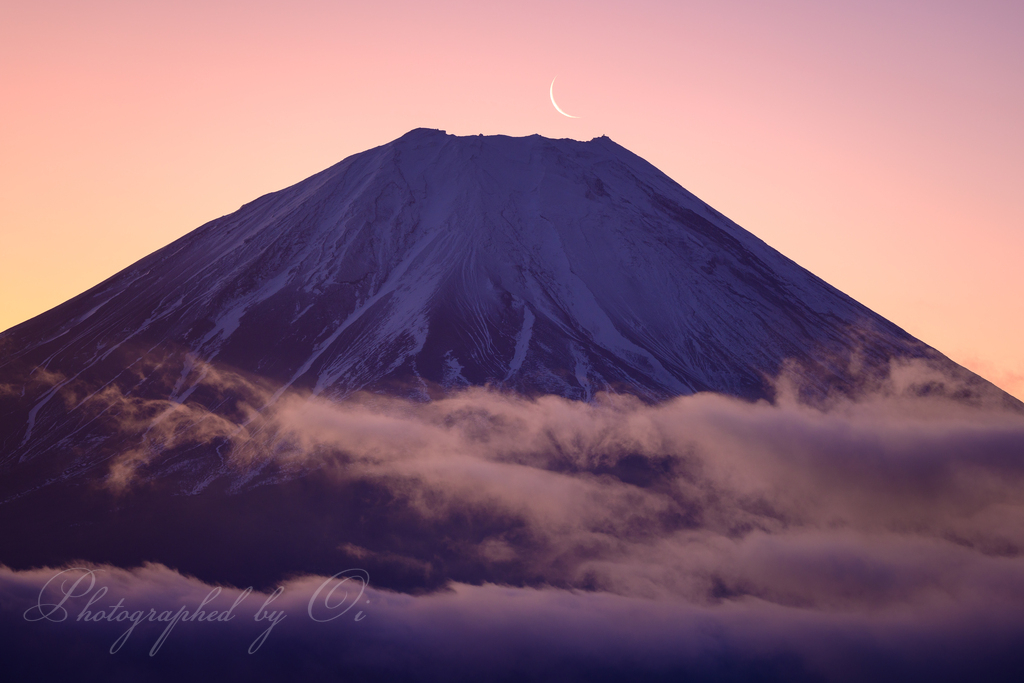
x=873 y=536
x=899 y=495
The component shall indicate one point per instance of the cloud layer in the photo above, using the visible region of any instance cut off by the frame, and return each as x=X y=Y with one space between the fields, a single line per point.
x=482 y=632
x=878 y=537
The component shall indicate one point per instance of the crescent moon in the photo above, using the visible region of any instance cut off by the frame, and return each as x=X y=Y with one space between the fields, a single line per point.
x=552 y=91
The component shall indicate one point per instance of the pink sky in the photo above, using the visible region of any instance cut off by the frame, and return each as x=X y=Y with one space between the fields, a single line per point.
x=878 y=144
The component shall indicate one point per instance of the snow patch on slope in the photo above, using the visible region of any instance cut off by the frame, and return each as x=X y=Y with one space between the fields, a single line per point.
x=522 y=343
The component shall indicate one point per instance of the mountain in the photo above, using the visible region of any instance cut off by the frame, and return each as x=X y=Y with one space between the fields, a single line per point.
x=428 y=264
x=434 y=262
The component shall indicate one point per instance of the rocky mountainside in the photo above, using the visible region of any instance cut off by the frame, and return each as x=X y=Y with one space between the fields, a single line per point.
x=433 y=262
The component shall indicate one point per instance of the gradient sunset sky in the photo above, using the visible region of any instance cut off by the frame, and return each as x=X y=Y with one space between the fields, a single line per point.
x=878 y=144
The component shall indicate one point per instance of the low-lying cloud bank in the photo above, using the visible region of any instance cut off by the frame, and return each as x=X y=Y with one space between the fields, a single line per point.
x=893 y=498
x=703 y=537
x=307 y=632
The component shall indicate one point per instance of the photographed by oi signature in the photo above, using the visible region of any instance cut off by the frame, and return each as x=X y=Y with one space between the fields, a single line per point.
x=76 y=588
